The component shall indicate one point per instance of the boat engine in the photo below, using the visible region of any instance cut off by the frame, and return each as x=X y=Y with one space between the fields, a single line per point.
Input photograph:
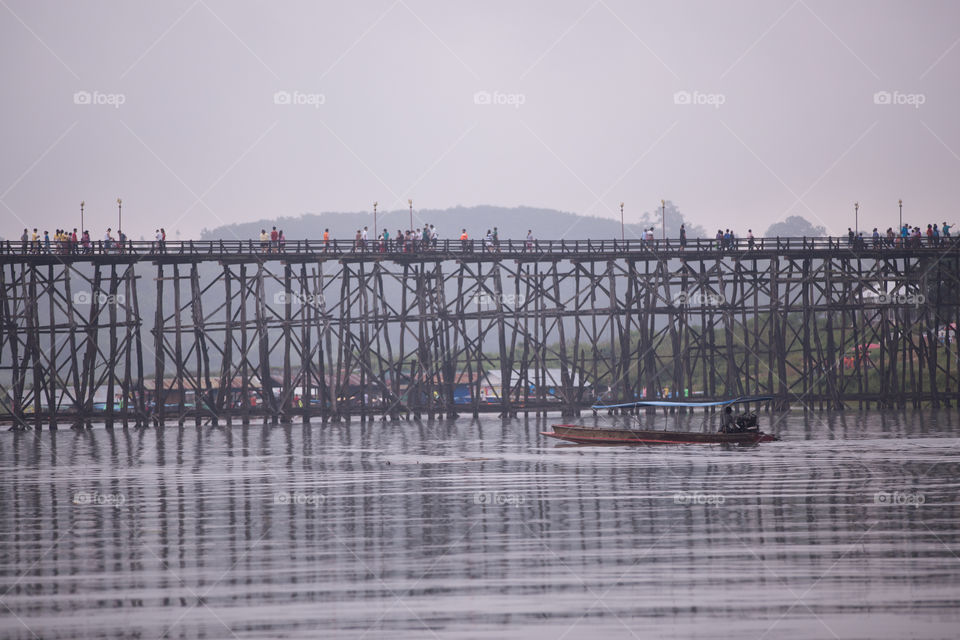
x=748 y=422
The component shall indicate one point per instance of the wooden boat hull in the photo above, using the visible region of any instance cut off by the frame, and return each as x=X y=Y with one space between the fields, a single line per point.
x=590 y=435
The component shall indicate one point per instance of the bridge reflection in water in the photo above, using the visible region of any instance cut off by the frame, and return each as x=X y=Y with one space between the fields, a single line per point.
x=220 y=331
x=482 y=529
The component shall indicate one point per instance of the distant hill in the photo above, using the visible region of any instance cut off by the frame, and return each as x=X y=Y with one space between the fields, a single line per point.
x=796 y=227
x=511 y=222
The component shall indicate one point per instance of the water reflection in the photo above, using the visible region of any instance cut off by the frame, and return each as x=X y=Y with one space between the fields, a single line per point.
x=480 y=529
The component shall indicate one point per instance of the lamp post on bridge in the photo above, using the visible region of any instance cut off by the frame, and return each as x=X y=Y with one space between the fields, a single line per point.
x=856 y=218
x=375 y=227
x=410 y=202
x=623 y=235
x=901 y=216
x=119 y=215
x=81 y=216
x=663 y=218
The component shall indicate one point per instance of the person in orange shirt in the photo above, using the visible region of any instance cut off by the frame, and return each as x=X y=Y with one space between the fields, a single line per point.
x=326 y=239
x=464 y=240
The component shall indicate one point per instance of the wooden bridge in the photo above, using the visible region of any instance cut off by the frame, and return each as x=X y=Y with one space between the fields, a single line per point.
x=239 y=330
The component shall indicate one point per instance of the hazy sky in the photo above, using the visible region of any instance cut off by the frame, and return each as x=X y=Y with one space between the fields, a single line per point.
x=203 y=112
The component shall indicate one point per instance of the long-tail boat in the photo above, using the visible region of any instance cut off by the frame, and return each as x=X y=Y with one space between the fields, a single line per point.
x=742 y=429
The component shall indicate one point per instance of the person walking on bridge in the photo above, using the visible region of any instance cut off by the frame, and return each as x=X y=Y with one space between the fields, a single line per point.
x=464 y=240
x=683 y=236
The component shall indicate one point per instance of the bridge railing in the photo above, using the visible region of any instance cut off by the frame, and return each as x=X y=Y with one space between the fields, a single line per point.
x=372 y=248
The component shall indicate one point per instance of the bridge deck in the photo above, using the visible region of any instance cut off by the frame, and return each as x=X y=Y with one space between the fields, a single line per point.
x=237 y=251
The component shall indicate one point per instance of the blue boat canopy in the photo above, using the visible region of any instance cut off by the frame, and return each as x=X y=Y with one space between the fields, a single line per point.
x=665 y=403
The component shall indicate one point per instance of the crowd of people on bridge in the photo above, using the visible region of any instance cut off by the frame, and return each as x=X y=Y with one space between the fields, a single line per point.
x=66 y=242
x=416 y=240
x=909 y=236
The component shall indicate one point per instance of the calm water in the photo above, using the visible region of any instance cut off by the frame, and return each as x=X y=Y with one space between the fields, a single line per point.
x=846 y=528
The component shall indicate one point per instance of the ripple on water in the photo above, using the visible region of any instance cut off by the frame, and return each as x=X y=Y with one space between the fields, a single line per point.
x=846 y=527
